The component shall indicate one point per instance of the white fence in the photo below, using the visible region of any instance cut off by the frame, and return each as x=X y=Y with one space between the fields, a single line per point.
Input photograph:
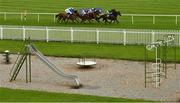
x=94 y=35
x=21 y=15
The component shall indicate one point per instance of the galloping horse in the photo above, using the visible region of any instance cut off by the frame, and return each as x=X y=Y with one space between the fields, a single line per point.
x=89 y=16
x=62 y=17
x=112 y=18
x=59 y=16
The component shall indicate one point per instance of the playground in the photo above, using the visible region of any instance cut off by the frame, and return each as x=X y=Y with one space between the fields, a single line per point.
x=135 y=59
x=114 y=78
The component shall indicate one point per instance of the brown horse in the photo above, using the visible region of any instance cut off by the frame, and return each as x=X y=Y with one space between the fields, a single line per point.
x=112 y=18
x=64 y=17
x=89 y=17
x=59 y=17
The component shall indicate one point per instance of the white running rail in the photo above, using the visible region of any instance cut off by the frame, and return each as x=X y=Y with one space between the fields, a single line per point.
x=21 y=15
x=77 y=34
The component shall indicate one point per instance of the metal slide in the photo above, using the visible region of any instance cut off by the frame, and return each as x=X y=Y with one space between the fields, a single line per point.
x=33 y=50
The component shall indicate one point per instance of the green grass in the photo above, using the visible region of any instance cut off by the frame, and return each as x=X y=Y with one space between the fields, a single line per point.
x=16 y=95
x=125 y=6
x=129 y=52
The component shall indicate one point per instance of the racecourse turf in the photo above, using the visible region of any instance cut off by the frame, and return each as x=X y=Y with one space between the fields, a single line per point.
x=125 y=6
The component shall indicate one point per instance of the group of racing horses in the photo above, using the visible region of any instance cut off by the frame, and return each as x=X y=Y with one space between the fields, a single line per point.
x=89 y=15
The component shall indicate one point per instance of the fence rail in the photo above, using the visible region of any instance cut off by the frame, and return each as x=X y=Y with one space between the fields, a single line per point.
x=54 y=14
x=94 y=35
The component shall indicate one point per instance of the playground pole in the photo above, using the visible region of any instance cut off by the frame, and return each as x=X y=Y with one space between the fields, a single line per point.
x=26 y=70
x=175 y=56
x=29 y=67
x=159 y=64
x=165 y=59
x=145 y=57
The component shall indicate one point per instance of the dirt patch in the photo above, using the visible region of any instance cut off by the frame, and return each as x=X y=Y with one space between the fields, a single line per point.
x=114 y=78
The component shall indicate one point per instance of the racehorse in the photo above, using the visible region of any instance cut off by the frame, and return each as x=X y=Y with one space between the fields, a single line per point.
x=59 y=16
x=64 y=17
x=112 y=18
x=89 y=17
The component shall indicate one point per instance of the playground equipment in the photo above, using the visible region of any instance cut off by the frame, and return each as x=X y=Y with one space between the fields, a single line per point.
x=26 y=58
x=6 y=55
x=84 y=62
x=158 y=70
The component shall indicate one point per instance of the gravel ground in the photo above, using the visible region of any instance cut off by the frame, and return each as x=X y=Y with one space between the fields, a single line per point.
x=114 y=78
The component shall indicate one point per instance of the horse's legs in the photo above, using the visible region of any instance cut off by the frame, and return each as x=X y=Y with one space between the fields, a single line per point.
x=76 y=20
x=117 y=21
x=67 y=20
x=73 y=20
x=89 y=21
x=106 y=20
x=83 y=21
x=59 y=19
x=97 y=19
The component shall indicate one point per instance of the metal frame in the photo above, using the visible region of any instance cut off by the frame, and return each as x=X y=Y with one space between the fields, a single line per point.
x=160 y=65
x=25 y=58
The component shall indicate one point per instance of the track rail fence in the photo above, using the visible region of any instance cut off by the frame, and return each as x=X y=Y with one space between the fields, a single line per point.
x=38 y=16
x=93 y=35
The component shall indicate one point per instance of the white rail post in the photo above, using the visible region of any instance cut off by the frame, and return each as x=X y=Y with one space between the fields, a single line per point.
x=5 y=16
x=1 y=32
x=124 y=38
x=132 y=18
x=21 y=17
x=97 y=36
x=153 y=19
x=38 y=17
x=24 y=33
x=47 y=34
x=176 y=20
x=153 y=37
x=54 y=17
x=72 y=36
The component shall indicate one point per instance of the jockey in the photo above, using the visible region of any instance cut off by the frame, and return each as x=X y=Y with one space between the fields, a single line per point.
x=90 y=10
x=110 y=13
x=70 y=10
x=84 y=11
x=99 y=10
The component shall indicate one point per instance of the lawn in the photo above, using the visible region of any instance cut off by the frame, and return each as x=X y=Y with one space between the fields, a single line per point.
x=62 y=49
x=16 y=95
x=125 y=6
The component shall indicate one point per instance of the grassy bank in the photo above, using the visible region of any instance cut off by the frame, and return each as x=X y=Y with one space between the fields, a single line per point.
x=129 y=52
x=16 y=95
